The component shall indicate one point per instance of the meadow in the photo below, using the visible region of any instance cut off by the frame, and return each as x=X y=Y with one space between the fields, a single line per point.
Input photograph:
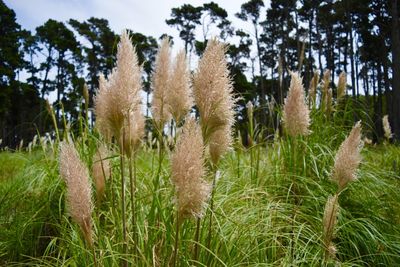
x=200 y=197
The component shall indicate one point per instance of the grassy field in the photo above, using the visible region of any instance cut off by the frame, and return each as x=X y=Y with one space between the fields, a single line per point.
x=257 y=220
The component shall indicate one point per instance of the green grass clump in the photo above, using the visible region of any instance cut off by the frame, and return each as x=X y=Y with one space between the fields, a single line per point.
x=256 y=222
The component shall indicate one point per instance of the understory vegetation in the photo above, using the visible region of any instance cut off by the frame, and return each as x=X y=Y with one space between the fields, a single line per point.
x=252 y=210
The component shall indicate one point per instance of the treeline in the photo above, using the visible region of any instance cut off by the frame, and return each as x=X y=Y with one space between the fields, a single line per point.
x=359 y=37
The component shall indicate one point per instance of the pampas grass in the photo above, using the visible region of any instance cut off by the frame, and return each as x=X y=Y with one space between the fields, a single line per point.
x=212 y=87
x=119 y=95
x=101 y=170
x=341 y=87
x=160 y=84
x=179 y=97
x=348 y=158
x=296 y=115
x=79 y=199
x=386 y=127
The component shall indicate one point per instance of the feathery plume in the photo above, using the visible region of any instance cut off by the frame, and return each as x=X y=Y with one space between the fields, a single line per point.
x=101 y=170
x=179 y=98
x=212 y=88
x=76 y=176
x=296 y=115
x=192 y=192
x=341 y=87
x=329 y=222
x=120 y=95
x=348 y=158
x=219 y=144
x=386 y=127
x=134 y=131
x=161 y=82
x=326 y=79
x=312 y=93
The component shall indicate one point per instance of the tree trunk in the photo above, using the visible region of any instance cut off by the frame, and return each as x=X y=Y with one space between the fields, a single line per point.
x=395 y=38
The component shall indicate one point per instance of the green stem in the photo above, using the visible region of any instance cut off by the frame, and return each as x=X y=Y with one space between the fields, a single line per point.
x=174 y=258
x=214 y=172
x=124 y=248
x=197 y=240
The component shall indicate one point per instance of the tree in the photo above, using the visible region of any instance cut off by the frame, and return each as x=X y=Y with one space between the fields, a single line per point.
x=251 y=11
x=63 y=53
x=100 y=53
x=395 y=39
x=186 y=18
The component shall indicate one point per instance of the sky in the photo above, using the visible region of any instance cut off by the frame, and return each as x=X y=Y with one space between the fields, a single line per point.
x=144 y=16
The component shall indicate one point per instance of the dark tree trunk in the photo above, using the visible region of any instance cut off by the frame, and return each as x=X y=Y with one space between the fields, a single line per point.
x=395 y=38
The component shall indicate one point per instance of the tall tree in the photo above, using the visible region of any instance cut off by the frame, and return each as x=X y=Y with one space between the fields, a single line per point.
x=250 y=11
x=395 y=39
x=186 y=18
x=63 y=53
x=100 y=52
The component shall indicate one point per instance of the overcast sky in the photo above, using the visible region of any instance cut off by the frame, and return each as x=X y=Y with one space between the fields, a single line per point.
x=144 y=16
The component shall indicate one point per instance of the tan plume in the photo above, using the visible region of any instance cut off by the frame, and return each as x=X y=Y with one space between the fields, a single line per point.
x=192 y=191
x=212 y=87
x=296 y=115
x=329 y=222
x=341 y=87
x=179 y=97
x=120 y=94
x=101 y=170
x=348 y=158
x=160 y=83
x=76 y=176
x=134 y=132
x=386 y=127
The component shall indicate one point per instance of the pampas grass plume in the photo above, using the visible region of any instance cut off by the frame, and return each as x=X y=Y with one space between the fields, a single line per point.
x=296 y=115
x=192 y=191
x=134 y=132
x=120 y=94
x=329 y=221
x=101 y=170
x=386 y=127
x=341 y=87
x=219 y=143
x=348 y=158
x=212 y=88
x=161 y=82
x=179 y=97
x=76 y=176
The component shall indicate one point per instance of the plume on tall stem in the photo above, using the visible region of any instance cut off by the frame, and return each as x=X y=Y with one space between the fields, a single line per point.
x=161 y=83
x=348 y=158
x=187 y=165
x=118 y=98
x=79 y=199
x=296 y=115
x=212 y=89
x=179 y=98
x=344 y=171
